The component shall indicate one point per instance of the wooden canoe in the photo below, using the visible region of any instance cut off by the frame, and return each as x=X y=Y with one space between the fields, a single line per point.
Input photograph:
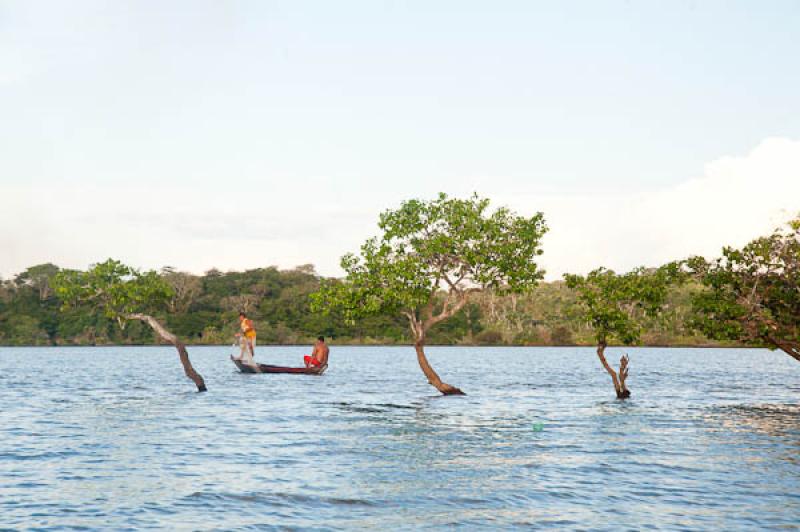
x=268 y=368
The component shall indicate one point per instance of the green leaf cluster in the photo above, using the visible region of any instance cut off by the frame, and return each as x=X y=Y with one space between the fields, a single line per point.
x=118 y=290
x=752 y=294
x=616 y=305
x=435 y=253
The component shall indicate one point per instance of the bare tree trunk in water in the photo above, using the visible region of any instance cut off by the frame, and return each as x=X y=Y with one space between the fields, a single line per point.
x=171 y=338
x=433 y=377
x=418 y=330
x=618 y=380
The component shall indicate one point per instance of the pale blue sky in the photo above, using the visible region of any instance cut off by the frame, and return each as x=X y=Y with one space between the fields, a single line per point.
x=271 y=105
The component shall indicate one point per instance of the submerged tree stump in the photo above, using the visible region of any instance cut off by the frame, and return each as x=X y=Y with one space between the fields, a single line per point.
x=618 y=379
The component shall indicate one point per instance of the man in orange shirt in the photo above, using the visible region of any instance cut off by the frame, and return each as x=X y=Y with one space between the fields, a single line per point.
x=247 y=340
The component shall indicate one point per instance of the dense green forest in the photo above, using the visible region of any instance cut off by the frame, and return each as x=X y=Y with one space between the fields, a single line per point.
x=204 y=309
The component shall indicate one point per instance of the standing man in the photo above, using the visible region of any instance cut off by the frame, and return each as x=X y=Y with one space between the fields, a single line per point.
x=247 y=339
x=319 y=356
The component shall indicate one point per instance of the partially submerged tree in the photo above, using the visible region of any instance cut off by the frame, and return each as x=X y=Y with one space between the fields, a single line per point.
x=124 y=293
x=752 y=295
x=613 y=305
x=431 y=257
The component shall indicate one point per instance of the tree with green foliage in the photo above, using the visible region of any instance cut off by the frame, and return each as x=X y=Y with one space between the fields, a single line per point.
x=185 y=286
x=431 y=257
x=614 y=306
x=124 y=293
x=32 y=308
x=752 y=295
x=201 y=311
x=39 y=278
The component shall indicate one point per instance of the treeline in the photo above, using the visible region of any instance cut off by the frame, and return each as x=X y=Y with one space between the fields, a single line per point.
x=203 y=310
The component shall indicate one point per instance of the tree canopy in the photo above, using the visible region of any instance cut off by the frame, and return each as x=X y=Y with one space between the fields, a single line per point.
x=752 y=294
x=616 y=305
x=118 y=290
x=446 y=244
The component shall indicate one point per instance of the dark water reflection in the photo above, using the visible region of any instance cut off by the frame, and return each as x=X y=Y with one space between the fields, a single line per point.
x=116 y=438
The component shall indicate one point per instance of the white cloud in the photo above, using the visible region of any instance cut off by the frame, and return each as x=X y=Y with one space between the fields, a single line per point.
x=736 y=199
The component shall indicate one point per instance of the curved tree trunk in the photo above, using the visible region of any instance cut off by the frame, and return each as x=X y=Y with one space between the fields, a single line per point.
x=791 y=351
x=171 y=338
x=419 y=328
x=618 y=380
x=433 y=377
x=790 y=348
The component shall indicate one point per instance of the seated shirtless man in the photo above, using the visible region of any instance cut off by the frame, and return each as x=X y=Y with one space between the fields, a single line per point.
x=319 y=356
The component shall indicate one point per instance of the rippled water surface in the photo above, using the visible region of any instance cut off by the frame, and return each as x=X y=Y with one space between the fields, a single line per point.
x=118 y=438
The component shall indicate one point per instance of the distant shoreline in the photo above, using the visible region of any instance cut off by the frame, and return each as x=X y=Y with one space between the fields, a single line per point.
x=334 y=344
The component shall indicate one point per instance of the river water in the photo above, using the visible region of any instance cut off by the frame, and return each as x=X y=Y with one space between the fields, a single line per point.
x=117 y=438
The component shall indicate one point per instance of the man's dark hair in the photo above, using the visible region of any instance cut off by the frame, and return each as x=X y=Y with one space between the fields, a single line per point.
x=241 y=313
x=321 y=338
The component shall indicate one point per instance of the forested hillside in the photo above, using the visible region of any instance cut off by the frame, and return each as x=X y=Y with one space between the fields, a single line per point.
x=204 y=310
